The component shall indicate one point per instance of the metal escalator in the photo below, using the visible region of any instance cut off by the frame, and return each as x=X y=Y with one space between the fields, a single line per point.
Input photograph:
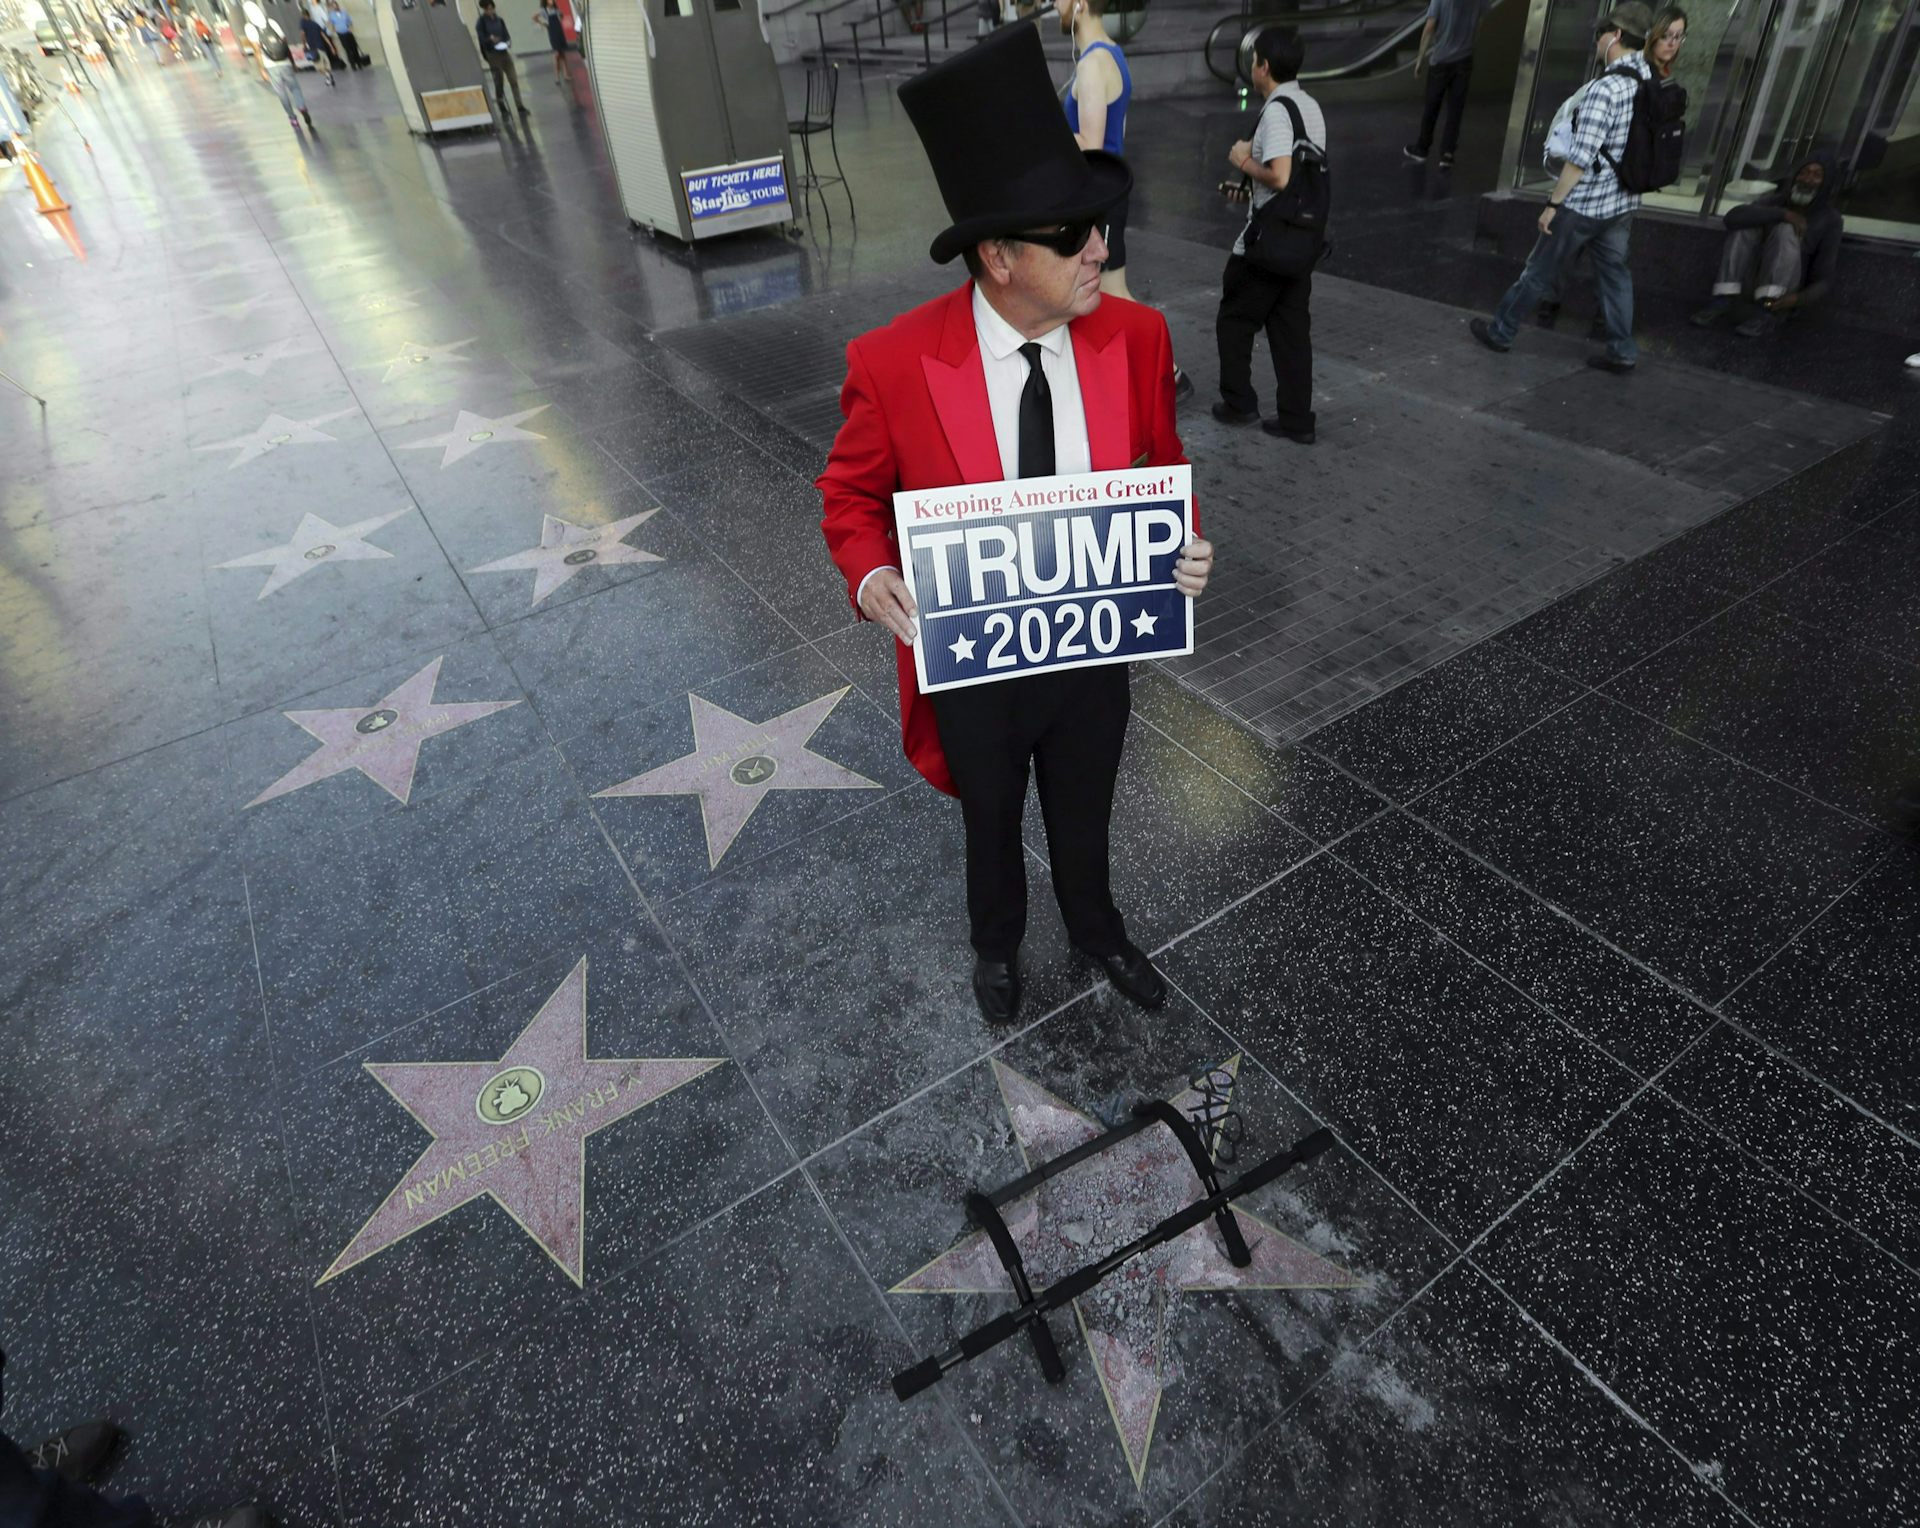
x=1355 y=39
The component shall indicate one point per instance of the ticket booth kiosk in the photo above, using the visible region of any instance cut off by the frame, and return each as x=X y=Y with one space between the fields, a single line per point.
x=696 y=125
x=435 y=64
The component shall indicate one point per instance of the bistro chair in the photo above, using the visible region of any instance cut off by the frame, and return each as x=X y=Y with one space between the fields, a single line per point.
x=823 y=97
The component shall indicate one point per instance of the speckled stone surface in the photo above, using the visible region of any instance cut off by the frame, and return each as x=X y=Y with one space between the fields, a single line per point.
x=1605 y=995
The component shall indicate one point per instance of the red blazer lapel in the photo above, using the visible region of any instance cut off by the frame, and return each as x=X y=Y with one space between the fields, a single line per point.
x=1100 y=356
x=958 y=385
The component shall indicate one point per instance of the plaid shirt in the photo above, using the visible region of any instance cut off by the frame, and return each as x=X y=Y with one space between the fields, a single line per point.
x=1601 y=123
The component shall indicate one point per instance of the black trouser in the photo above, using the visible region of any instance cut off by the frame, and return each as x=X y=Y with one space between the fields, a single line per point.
x=1445 y=83
x=1251 y=300
x=1072 y=726
x=355 y=57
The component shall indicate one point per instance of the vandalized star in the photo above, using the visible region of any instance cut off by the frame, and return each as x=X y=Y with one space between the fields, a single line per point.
x=314 y=541
x=515 y=1130
x=1098 y=1206
x=735 y=763
x=382 y=741
x=566 y=549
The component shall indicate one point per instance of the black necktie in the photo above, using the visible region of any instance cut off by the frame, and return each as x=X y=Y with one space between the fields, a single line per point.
x=1036 y=418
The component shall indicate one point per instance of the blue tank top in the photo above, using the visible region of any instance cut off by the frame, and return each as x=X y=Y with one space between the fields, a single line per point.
x=1114 y=140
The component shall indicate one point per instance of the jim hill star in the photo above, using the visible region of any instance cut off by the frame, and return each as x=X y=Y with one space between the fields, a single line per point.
x=566 y=549
x=1098 y=1206
x=314 y=541
x=382 y=741
x=471 y=431
x=278 y=431
x=735 y=763
x=515 y=1130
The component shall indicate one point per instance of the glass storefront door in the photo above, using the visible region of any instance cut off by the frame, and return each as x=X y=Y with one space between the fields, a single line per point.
x=1766 y=81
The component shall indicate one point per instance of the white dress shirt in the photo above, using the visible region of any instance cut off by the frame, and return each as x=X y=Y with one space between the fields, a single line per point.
x=1006 y=370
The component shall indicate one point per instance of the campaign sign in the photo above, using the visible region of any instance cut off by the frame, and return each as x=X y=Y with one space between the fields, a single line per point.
x=744 y=187
x=1036 y=574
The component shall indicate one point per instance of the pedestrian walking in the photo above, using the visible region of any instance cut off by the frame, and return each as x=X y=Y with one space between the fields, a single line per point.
x=149 y=34
x=209 y=44
x=342 y=25
x=1097 y=100
x=1446 y=61
x=496 y=47
x=1252 y=299
x=275 y=59
x=319 y=47
x=1588 y=207
x=548 y=16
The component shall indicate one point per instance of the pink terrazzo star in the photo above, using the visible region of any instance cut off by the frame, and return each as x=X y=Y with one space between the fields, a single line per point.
x=1098 y=1206
x=381 y=741
x=515 y=1130
x=735 y=763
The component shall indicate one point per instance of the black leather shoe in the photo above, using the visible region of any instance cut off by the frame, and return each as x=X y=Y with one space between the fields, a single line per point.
x=1608 y=363
x=78 y=1454
x=1132 y=975
x=996 y=988
x=1226 y=413
x=1298 y=437
x=1481 y=330
x=1182 y=386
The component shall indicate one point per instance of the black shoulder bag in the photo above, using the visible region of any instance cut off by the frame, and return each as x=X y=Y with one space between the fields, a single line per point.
x=1287 y=235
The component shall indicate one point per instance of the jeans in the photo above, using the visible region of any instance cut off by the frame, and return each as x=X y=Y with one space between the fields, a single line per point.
x=1446 y=83
x=287 y=88
x=1605 y=241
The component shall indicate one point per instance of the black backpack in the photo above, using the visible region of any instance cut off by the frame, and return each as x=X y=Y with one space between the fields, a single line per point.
x=1287 y=234
x=1656 y=137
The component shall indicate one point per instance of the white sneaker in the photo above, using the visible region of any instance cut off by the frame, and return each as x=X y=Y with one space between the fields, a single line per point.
x=1913 y=361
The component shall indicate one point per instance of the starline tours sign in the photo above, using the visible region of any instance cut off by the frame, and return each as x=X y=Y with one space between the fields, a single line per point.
x=1036 y=574
x=752 y=186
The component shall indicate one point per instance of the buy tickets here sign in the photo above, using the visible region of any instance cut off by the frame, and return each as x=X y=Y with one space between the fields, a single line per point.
x=1036 y=574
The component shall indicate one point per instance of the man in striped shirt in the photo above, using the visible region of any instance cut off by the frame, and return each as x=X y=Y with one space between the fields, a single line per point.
x=1588 y=208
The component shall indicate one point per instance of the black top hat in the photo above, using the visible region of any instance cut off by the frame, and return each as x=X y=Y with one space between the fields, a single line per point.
x=1000 y=147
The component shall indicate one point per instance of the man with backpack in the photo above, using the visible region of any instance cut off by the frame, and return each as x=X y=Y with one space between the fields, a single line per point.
x=1624 y=139
x=1253 y=298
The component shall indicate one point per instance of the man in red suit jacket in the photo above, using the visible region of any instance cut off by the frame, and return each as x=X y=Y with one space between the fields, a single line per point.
x=1024 y=371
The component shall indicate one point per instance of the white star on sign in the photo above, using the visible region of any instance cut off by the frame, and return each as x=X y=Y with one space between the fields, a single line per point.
x=313 y=542
x=962 y=649
x=1143 y=624
x=276 y=432
x=566 y=549
x=255 y=363
x=413 y=353
x=472 y=431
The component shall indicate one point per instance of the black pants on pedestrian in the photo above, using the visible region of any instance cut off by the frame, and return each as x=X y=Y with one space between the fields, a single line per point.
x=355 y=57
x=1446 y=84
x=1251 y=300
x=1072 y=727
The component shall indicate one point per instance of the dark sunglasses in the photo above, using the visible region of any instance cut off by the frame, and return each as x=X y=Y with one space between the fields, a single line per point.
x=1065 y=242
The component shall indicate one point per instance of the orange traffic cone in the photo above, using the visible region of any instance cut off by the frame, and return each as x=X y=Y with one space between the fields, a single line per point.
x=63 y=222
x=43 y=192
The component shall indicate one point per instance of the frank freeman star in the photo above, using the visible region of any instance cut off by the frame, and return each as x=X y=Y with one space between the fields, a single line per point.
x=515 y=1130
x=1094 y=1208
x=735 y=763
x=382 y=742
